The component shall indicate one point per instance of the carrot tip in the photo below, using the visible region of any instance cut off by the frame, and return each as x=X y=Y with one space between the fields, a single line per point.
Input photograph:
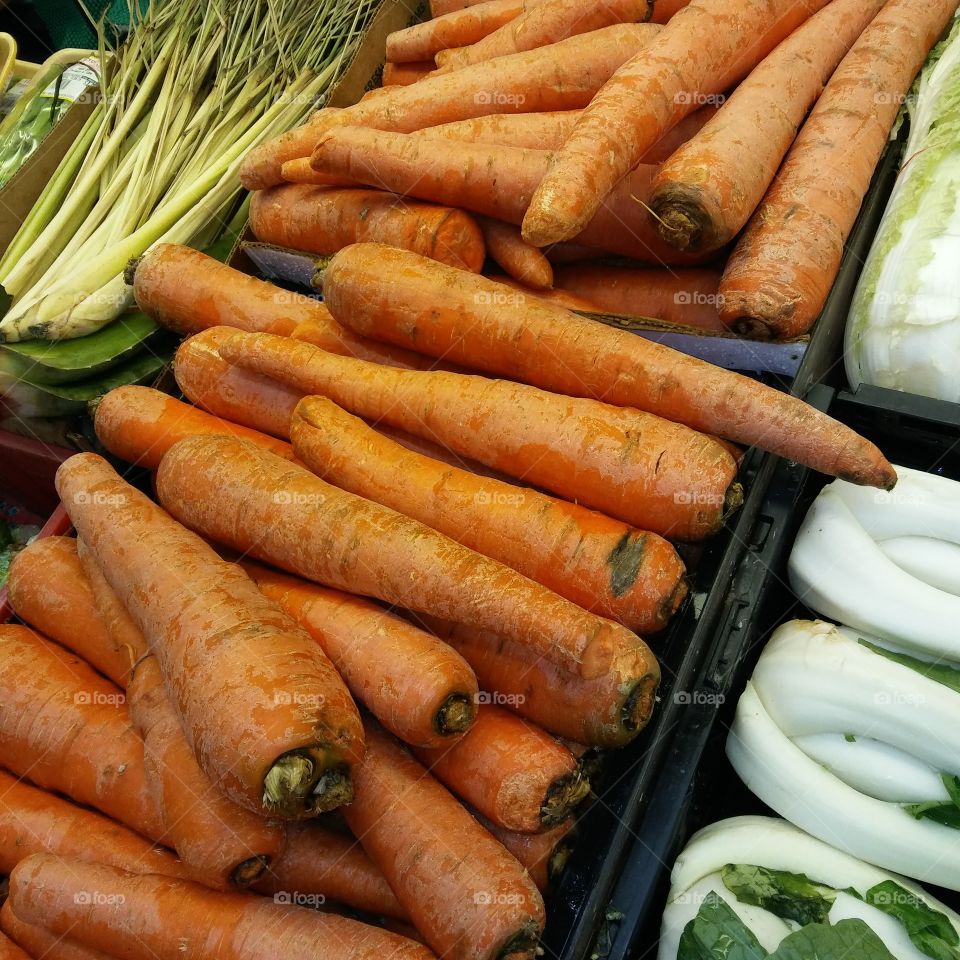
x=522 y=945
x=250 y=870
x=292 y=788
x=130 y=270
x=563 y=797
x=638 y=705
x=455 y=715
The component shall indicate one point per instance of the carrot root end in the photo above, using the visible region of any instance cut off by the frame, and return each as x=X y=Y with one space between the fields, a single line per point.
x=564 y=795
x=250 y=870
x=455 y=715
x=522 y=945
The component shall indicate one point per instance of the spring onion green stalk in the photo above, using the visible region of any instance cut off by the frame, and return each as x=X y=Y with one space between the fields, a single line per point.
x=197 y=85
x=903 y=331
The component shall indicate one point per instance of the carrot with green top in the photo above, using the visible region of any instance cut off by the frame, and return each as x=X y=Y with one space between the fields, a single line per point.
x=523 y=262
x=269 y=719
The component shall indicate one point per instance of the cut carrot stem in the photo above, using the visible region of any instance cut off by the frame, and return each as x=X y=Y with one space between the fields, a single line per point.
x=320 y=865
x=544 y=855
x=270 y=721
x=139 y=425
x=563 y=76
x=373 y=650
x=323 y=221
x=469 y=898
x=705 y=193
x=403 y=74
x=512 y=772
x=601 y=564
x=343 y=541
x=523 y=262
x=705 y=49
x=148 y=917
x=49 y=590
x=40 y=942
x=393 y=295
x=784 y=265
x=572 y=447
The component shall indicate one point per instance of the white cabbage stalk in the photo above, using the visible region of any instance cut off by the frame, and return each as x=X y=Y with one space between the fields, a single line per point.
x=777 y=845
x=903 y=331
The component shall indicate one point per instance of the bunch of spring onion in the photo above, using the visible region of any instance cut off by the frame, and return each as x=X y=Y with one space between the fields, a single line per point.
x=193 y=88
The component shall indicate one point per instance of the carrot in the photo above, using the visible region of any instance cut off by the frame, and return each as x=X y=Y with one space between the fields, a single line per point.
x=145 y=917
x=34 y=821
x=511 y=771
x=469 y=898
x=688 y=297
x=65 y=727
x=270 y=721
x=8 y=949
x=440 y=7
x=546 y=23
x=492 y=180
x=705 y=193
x=539 y=343
x=40 y=942
x=49 y=590
x=454 y=29
x=403 y=74
x=319 y=864
x=343 y=541
x=139 y=425
x=559 y=77
x=705 y=49
x=523 y=262
x=373 y=650
x=562 y=298
x=571 y=447
x=600 y=564
x=544 y=855
x=663 y=10
x=324 y=221
x=782 y=268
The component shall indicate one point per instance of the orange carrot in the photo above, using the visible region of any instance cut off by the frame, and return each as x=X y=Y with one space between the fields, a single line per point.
x=688 y=297
x=343 y=541
x=511 y=771
x=440 y=7
x=562 y=298
x=544 y=24
x=373 y=650
x=300 y=171
x=669 y=479
x=705 y=193
x=523 y=262
x=319 y=864
x=49 y=590
x=40 y=942
x=145 y=917
x=8 y=948
x=66 y=728
x=562 y=76
x=454 y=29
x=492 y=180
x=544 y=855
x=600 y=564
x=539 y=343
x=469 y=898
x=139 y=425
x=324 y=221
x=403 y=74
x=782 y=269
x=270 y=721
x=708 y=47
x=663 y=10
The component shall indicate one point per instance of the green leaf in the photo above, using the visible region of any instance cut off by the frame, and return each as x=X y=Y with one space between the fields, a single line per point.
x=846 y=940
x=946 y=812
x=717 y=933
x=940 y=672
x=850 y=738
x=791 y=896
x=929 y=930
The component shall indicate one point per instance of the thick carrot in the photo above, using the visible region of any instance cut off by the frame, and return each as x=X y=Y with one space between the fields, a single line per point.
x=663 y=10
x=469 y=898
x=708 y=190
x=539 y=343
x=708 y=47
x=523 y=262
x=49 y=590
x=600 y=564
x=40 y=942
x=187 y=291
x=319 y=865
x=455 y=29
x=544 y=854
x=543 y=24
x=373 y=650
x=145 y=917
x=66 y=728
x=324 y=221
x=688 y=297
x=270 y=721
x=782 y=268
x=562 y=76
x=492 y=180
x=403 y=74
x=343 y=541
x=34 y=821
x=511 y=771
x=139 y=424
x=638 y=468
